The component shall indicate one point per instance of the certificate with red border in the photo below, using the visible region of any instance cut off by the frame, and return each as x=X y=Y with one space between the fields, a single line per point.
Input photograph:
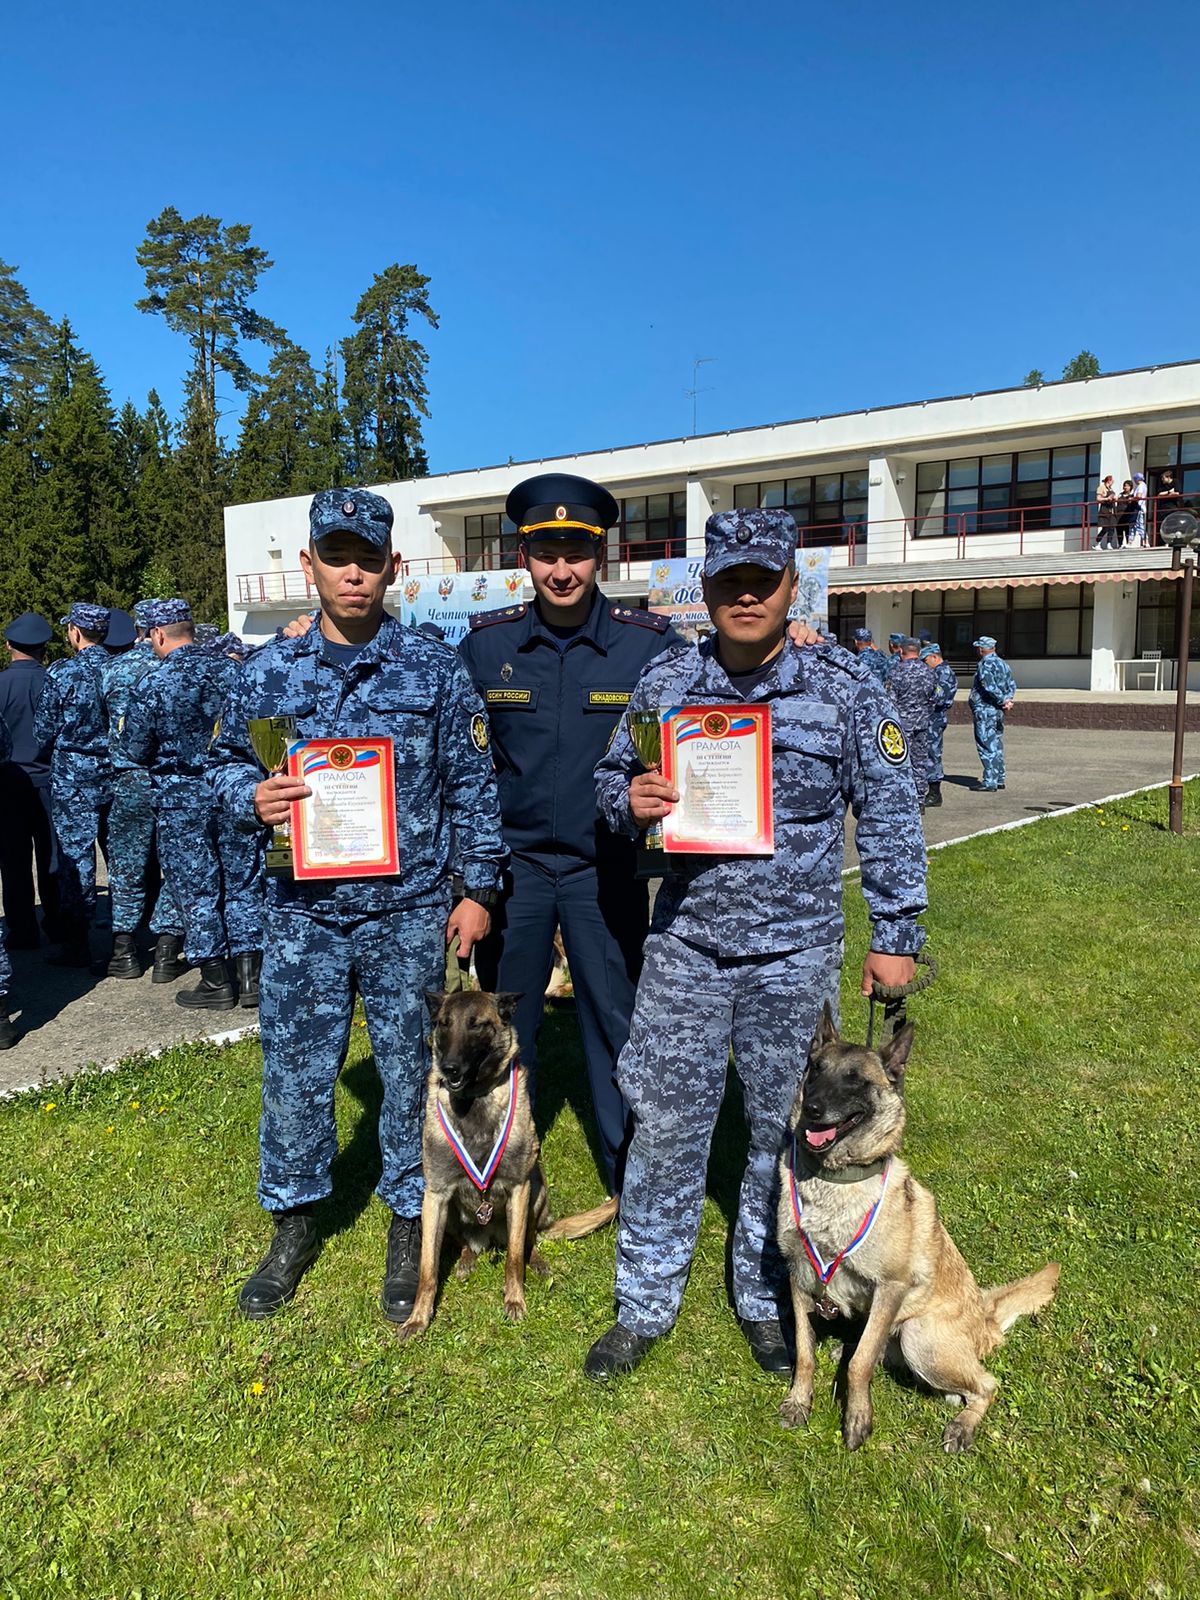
x=347 y=826
x=719 y=758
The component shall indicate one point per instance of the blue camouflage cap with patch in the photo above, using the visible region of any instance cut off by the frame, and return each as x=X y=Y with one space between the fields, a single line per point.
x=984 y=642
x=895 y=638
x=862 y=636
x=141 y=612
x=749 y=538
x=351 y=511
x=930 y=649
x=162 y=613
x=92 y=619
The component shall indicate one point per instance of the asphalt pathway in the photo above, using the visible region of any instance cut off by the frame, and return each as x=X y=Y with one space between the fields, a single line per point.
x=70 y=1020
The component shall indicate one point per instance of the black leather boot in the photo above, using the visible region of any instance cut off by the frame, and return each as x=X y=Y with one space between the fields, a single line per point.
x=277 y=1276
x=8 y=1034
x=767 y=1344
x=934 y=797
x=249 y=965
x=403 y=1267
x=214 y=992
x=169 y=963
x=124 y=962
x=616 y=1352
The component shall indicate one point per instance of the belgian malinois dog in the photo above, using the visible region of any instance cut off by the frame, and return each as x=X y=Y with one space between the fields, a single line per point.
x=479 y=1151
x=862 y=1238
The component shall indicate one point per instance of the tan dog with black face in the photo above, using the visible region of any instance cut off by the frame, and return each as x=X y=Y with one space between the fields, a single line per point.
x=904 y=1273
x=477 y=1098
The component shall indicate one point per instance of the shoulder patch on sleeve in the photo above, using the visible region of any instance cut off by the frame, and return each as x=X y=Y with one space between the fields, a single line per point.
x=640 y=619
x=488 y=619
x=479 y=732
x=890 y=741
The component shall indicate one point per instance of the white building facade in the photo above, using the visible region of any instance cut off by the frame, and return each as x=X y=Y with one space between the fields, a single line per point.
x=966 y=515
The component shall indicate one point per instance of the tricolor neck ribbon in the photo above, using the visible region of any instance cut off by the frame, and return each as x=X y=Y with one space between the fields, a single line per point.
x=823 y=1269
x=482 y=1177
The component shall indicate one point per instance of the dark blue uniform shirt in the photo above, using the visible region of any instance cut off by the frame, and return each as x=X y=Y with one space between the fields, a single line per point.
x=20 y=691
x=553 y=705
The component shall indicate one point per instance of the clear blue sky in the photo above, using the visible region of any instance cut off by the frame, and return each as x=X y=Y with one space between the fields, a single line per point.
x=847 y=205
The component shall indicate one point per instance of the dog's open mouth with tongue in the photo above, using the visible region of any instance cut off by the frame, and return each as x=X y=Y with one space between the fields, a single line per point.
x=821 y=1135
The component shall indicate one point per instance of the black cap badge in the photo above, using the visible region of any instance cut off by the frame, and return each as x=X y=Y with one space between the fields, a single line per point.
x=348 y=508
x=743 y=536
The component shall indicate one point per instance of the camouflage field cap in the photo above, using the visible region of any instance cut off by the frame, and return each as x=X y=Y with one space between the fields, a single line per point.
x=930 y=650
x=984 y=642
x=163 y=613
x=351 y=511
x=93 y=619
x=749 y=538
x=141 y=613
x=862 y=636
x=207 y=634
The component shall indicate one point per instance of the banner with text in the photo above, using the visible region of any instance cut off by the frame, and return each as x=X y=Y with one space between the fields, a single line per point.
x=449 y=600
x=675 y=592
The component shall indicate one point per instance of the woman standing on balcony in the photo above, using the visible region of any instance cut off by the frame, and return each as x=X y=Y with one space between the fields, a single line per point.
x=1137 y=534
x=1126 y=512
x=1106 y=514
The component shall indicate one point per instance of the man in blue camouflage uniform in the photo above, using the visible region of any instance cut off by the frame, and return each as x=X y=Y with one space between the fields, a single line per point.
x=946 y=687
x=358 y=674
x=874 y=660
x=744 y=951
x=555 y=677
x=130 y=856
x=913 y=692
x=27 y=837
x=892 y=659
x=70 y=723
x=992 y=694
x=169 y=727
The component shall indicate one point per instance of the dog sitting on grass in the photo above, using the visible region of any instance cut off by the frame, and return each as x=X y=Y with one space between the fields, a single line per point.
x=862 y=1238
x=479 y=1151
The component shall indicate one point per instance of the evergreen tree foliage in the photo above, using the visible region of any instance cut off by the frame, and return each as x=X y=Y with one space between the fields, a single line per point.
x=26 y=349
x=384 y=385
x=198 y=493
x=279 y=451
x=1034 y=378
x=1085 y=365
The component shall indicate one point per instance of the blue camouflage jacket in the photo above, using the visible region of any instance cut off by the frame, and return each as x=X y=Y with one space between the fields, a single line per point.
x=405 y=686
x=170 y=723
x=835 y=744
x=947 y=687
x=994 y=682
x=914 y=690
x=70 y=718
x=875 y=661
x=121 y=675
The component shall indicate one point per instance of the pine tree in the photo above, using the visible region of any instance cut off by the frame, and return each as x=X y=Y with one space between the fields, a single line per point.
x=26 y=353
x=1085 y=365
x=278 y=450
x=197 y=493
x=384 y=386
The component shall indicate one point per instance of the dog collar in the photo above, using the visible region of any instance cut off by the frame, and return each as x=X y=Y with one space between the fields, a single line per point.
x=481 y=1177
x=814 y=1169
x=826 y=1269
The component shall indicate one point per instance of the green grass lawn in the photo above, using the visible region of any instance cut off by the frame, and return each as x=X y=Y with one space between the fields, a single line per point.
x=153 y=1445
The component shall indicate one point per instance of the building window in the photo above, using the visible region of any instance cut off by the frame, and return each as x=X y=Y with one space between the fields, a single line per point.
x=490 y=543
x=1028 y=621
x=1007 y=492
x=1181 y=453
x=655 y=525
x=1158 y=619
x=847 y=611
x=827 y=507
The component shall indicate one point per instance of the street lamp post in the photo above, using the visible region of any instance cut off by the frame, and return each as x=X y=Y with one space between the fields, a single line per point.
x=1181 y=530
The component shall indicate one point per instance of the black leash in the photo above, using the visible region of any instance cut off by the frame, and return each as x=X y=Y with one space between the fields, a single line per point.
x=893 y=997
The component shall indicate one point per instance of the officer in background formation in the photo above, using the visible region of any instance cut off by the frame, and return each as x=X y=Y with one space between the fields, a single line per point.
x=8 y=1034
x=745 y=951
x=26 y=836
x=874 y=660
x=358 y=674
x=212 y=873
x=130 y=856
x=913 y=690
x=555 y=677
x=946 y=685
x=71 y=724
x=992 y=694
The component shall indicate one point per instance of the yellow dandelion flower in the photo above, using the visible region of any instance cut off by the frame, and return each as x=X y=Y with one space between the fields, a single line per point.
x=50 y=1105
x=134 y=1104
x=1104 y=824
x=1124 y=827
x=109 y=1129
x=258 y=1388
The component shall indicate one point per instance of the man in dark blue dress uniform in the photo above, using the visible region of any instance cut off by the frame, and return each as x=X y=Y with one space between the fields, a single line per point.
x=26 y=836
x=555 y=677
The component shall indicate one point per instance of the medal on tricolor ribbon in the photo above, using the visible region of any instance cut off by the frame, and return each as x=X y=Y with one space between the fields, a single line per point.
x=825 y=1306
x=481 y=1177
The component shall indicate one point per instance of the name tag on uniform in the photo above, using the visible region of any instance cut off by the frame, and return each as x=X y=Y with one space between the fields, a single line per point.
x=514 y=699
x=607 y=699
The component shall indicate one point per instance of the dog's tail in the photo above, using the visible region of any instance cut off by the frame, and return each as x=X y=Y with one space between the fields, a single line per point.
x=583 y=1222
x=1009 y=1301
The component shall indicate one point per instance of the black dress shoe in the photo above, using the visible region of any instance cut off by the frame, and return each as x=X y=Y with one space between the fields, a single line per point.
x=403 y=1268
x=767 y=1344
x=214 y=992
x=616 y=1352
x=169 y=962
x=277 y=1276
x=124 y=963
x=249 y=965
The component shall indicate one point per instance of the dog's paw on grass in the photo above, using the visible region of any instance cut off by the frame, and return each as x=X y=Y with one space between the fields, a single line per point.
x=794 y=1413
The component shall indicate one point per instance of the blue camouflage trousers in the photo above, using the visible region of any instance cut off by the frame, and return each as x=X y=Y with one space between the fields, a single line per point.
x=5 y=961
x=129 y=853
x=989 y=742
x=313 y=965
x=936 y=738
x=213 y=874
x=692 y=1006
x=79 y=805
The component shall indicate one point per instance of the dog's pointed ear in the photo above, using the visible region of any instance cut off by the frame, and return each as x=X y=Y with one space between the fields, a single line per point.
x=506 y=1005
x=826 y=1033
x=435 y=999
x=894 y=1055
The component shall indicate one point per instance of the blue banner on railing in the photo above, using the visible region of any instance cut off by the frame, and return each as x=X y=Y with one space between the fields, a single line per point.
x=675 y=592
x=451 y=599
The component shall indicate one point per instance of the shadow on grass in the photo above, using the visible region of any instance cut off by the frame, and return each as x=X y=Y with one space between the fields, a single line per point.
x=562 y=1080
x=357 y=1165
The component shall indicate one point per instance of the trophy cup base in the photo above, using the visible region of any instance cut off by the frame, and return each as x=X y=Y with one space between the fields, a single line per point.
x=650 y=863
x=279 y=861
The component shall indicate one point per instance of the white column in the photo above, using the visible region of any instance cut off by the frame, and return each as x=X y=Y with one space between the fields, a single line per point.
x=703 y=498
x=886 y=614
x=1114 y=632
x=1114 y=455
x=891 y=498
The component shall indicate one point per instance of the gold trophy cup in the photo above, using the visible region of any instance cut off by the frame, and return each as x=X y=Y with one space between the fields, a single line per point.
x=269 y=739
x=645 y=729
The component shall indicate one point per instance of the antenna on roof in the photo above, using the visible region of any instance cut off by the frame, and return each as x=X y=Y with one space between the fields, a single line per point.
x=690 y=394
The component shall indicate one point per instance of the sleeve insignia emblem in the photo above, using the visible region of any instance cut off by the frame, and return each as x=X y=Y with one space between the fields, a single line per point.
x=890 y=740
x=479 y=732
